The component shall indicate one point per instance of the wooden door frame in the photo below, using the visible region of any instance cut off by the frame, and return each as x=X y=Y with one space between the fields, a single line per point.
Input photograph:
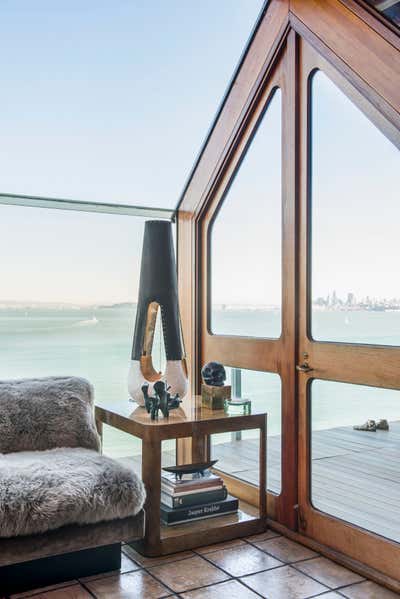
x=343 y=362
x=366 y=51
x=223 y=147
x=262 y=354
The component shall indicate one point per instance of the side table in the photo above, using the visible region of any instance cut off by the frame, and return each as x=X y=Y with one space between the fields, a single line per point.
x=190 y=420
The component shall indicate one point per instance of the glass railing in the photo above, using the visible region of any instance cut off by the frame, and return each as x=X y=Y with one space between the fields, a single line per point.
x=69 y=287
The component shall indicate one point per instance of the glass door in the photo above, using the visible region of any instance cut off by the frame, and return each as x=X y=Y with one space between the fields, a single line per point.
x=349 y=320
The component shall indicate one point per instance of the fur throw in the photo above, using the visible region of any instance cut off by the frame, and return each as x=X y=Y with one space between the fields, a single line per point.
x=44 y=490
x=38 y=414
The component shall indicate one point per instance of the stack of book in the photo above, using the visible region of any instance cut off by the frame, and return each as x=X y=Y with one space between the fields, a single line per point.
x=194 y=497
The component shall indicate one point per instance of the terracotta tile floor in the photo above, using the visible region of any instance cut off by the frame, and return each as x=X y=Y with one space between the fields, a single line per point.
x=265 y=565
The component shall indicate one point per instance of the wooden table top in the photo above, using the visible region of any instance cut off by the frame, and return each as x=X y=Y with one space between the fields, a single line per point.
x=129 y=416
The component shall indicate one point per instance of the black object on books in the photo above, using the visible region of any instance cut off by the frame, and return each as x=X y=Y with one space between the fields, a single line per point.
x=173 y=516
x=199 y=469
x=196 y=498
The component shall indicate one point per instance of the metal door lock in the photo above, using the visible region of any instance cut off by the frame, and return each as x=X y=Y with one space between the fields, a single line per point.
x=305 y=367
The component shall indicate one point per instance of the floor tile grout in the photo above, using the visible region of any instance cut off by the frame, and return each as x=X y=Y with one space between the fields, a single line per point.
x=287 y=563
x=240 y=577
x=226 y=572
x=151 y=571
x=328 y=590
x=88 y=590
x=249 y=587
x=332 y=588
x=205 y=586
x=172 y=561
x=172 y=592
x=39 y=591
x=297 y=561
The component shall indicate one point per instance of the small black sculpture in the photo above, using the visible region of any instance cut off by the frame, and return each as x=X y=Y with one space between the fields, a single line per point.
x=198 y=470
x=161 y=401
x=213 y=374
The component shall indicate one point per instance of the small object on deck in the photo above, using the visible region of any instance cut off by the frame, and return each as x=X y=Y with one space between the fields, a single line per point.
x=238 y=405
x=369 y=426
x=198 y=469
x=382 y=425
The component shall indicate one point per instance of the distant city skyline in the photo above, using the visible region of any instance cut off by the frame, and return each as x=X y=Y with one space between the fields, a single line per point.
x=351 y=302
x=330 y=301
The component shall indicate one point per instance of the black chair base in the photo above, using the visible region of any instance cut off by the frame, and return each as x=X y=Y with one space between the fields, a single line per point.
x=46 y=571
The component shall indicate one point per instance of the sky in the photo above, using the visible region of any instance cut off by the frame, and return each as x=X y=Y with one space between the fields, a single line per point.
x=110 y=101
x=103 y=101
x=355 y=200
x=238 y=238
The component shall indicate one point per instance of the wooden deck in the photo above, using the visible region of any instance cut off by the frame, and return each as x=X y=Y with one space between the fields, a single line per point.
x=356 y=475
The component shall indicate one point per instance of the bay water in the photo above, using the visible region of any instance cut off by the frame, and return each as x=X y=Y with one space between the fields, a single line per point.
x=95 y=342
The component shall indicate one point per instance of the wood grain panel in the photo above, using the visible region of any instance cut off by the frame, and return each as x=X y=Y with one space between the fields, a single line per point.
x=365 y=51
x=287 y=357
x=362 y=364
x=376 y=20
x=186 y=264
x=363 y=546
x=242 y=352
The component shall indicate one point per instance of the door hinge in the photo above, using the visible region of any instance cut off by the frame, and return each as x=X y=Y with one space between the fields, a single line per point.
x=301 y=519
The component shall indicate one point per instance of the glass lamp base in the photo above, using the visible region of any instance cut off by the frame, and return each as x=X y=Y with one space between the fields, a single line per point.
x=237 y=405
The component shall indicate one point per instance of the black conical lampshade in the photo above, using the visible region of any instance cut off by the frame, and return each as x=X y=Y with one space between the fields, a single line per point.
x=158 y=288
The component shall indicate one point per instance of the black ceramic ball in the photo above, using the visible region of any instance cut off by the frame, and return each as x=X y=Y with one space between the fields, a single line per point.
x=213 y=374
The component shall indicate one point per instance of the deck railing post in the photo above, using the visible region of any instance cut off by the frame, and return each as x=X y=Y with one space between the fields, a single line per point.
x=236 y=378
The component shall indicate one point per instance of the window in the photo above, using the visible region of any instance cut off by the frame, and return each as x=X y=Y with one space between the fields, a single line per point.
x=237 y=453
x=355 y=216
x=355 y=473
x=246 y=260
x=389 y=8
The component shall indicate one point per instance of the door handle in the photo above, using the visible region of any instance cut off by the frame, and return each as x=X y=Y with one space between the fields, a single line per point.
x=305 y=367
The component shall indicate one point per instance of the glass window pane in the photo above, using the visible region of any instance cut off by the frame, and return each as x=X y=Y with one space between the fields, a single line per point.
x=390 y=9
x=355 y=473
x=355 y=216
x=246 y=240
x=238 y=453
x=69 y=286
x=90 y=110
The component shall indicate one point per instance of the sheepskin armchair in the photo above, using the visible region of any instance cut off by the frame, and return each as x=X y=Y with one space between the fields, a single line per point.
x=51 y=471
